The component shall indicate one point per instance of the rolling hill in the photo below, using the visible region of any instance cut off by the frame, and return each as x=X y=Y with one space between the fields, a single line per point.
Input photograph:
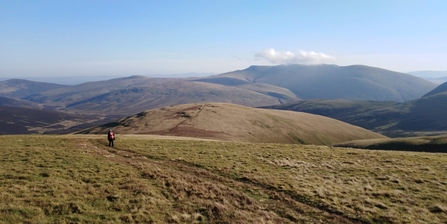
x=427 y=114
x=134 y=94
x=237 y=123
x=136 y=99
x=356 y=82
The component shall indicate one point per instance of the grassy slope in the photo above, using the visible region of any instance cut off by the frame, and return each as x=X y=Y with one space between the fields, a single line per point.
x=78 y=179
x=238 y=123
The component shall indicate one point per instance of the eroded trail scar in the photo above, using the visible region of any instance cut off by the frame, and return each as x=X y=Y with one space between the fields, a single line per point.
x=187 y=181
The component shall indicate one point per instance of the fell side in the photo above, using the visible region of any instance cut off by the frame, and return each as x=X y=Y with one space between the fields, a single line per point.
x=237 y=123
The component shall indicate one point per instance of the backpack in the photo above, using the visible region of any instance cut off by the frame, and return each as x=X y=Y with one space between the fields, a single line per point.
x=111 y=136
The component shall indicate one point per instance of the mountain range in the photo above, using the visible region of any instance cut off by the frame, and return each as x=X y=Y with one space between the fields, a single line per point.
x=374 y=89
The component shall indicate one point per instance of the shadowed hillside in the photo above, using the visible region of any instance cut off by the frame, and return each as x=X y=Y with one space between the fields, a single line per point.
x=22 y=120
x=440 y=89
x=237 y=123
x=16 y=120
x=354 y=82
x=428 y=114
x=418 y=144
x=360 y=113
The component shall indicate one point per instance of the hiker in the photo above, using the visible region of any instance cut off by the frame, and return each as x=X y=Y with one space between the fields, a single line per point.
x=111 y=137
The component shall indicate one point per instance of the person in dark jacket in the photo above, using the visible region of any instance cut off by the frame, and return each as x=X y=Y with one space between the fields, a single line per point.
x=111 y=137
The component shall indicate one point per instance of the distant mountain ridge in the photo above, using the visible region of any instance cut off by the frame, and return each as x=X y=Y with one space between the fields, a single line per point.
x=20 y=88
x=356 y=82
x=437 y=77
x=136 y=93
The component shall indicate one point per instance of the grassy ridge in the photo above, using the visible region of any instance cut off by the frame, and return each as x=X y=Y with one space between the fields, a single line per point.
x=231 y=122
x=78 y=179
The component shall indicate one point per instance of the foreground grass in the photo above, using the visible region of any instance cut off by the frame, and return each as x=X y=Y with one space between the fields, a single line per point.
x=78 y=179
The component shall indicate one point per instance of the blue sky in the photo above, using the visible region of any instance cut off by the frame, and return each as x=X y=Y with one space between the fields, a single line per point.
x=130 y=37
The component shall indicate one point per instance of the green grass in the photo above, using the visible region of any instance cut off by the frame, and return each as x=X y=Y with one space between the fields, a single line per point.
x=49 y=179
x=78 y=179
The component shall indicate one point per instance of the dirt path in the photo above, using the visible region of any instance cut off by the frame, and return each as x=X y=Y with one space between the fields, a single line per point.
x=187 y=182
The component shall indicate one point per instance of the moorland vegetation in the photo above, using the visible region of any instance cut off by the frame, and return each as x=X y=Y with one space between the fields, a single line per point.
x=77 y=178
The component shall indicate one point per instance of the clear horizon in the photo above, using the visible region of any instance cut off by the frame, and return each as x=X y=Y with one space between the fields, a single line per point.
x=124 y=38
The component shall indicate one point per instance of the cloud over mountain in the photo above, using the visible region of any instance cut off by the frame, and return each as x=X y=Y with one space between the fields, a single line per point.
x=302 y=57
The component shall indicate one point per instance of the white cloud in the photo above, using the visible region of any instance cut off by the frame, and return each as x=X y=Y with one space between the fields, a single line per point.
x=303 y=57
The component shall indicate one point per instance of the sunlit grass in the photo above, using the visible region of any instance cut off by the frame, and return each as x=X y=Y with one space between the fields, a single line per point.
x=374 y=186
x=78 y=179
x=46 y=179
